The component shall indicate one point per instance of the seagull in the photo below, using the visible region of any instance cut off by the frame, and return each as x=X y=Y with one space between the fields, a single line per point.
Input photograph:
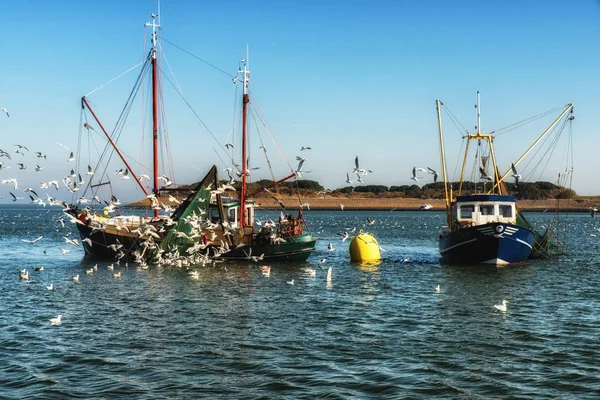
x=65 y=251
x=514 y=173
x=348 y=181
x=229 y=146
x=39 y=154
x=329 y=271
x=359 y=170
x=345 y=236
x=359 y=179
x=437 y=289
x=299 y=168
x=501 y=307
x=125 y=174
x=38 y=269
x=305 y=148
x=38 y=168
x=56 y=321
x=50 y=287
x=71 y=157
x=90 y=171
x=117 y=274
x=76 y=278
x=15 y=198
x=265 y=270
x=24 y=275
x=32 y=241
x=593 y=211
x=62 y=145
x=341 y=206
x=435 y=174
x=291 y=282
x=414 y=174
x=5 y=111
x=22 y=165
x=484 y=175
x=370 y=221
x=330 y=247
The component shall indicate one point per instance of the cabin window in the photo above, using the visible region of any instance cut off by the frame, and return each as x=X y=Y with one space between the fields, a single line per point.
x=231 y=215
x=487 y=209
x=506 y=211
x=214 y=216
x=466 y=212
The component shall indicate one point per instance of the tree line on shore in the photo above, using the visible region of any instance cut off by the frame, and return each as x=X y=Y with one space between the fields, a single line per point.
x=524 y=190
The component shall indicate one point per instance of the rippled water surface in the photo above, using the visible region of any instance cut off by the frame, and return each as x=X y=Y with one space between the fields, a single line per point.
x=378 y=331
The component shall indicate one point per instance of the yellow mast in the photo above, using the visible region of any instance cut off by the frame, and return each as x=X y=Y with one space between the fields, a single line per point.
x=438 y=103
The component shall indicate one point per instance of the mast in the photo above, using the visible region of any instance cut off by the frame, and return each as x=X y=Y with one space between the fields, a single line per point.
x=245 y=100
x=438 y=105
x=154 y=25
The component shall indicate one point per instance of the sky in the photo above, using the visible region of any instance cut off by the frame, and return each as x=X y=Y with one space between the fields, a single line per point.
x=347 y=78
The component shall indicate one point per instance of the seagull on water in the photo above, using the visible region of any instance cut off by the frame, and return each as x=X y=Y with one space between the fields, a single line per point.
x=329 y=276
x=330 y=247
x=76 y=278
x=56 y=321
x=50 y=287
x=437 y=289
x=265 y=270
x=291 y=282
x=501 y=307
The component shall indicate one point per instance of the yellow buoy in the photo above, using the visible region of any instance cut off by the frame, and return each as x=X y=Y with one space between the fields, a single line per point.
x=364 y=247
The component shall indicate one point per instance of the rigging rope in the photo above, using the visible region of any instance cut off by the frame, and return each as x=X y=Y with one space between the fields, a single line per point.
x=198 y=58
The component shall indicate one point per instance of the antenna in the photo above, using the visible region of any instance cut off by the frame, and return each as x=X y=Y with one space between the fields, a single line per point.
x=154 y=25
x=478 y=106
x=246 y=76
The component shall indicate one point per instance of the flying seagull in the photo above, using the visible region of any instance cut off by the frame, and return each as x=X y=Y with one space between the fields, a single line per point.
x=435 y=174
x=484 y=175
x=5 y=111
x=515 y=174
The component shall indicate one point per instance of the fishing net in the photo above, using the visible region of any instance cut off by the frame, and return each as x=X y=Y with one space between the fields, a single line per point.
x=197 y=205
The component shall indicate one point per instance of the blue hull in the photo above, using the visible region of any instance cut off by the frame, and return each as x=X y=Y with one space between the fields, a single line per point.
x=493 y=243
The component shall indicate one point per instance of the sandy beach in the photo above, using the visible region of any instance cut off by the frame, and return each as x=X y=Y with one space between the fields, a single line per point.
x=353 y=203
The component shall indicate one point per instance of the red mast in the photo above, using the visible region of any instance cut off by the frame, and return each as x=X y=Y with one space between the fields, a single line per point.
x=154 y=109
x=245 y=101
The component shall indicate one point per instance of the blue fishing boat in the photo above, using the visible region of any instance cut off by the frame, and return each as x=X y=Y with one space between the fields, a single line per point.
x=486 y=226
x=484 y=231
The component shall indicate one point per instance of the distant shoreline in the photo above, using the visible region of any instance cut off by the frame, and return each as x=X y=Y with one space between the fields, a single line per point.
x=401 y=204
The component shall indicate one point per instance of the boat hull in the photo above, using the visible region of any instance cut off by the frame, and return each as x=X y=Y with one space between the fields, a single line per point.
x=101 y=241
x=492 y=243
x=295 y=249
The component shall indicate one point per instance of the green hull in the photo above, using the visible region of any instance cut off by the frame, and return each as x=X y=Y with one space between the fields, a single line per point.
x=296 y=249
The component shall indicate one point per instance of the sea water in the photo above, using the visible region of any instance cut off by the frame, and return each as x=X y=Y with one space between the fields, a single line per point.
x=374 y=331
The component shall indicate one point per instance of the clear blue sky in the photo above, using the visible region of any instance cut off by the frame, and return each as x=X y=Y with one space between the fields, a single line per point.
x=344 y=77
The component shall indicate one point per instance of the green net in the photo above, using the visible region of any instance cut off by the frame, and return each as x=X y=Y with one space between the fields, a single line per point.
x=545 y=245
x=195 y=205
